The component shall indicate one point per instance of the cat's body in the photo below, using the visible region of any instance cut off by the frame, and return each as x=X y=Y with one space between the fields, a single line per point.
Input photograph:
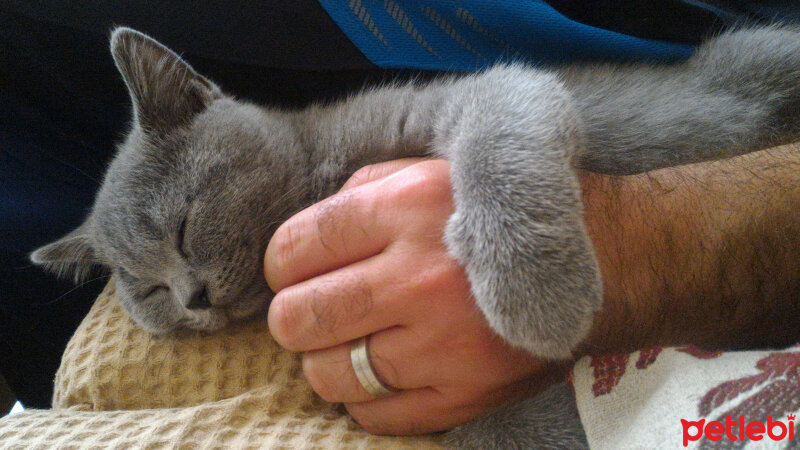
x=203 y=180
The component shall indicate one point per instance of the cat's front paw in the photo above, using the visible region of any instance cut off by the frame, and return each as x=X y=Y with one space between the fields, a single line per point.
x=538 y=286
x=518 y=228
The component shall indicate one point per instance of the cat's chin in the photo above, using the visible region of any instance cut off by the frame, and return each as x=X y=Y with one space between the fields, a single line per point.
x=209 y=320
x=217 y=318
x=247 y=311
x=252 y=302
x=213 y=319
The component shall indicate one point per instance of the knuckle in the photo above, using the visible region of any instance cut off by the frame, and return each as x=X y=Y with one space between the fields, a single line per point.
x=441 y=275
x=343 y=301
x=425 y=184
x=356 y=298
x=371 y=207
x=332 y=215
x=300 y=316
x=325 y=307
x=363 y=175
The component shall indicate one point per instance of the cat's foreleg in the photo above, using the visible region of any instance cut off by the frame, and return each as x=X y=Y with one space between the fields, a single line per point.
x=548 y=421
x=518 y=229
x=739 y=92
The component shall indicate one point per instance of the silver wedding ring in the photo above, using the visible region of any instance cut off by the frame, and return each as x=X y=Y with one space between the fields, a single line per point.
x=359 y=357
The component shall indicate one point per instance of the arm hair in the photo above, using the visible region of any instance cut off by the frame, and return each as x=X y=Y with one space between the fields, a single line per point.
x=705 y=254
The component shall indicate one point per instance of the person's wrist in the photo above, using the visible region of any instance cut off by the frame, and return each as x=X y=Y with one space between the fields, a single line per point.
x=698 y=254
x=629 y=318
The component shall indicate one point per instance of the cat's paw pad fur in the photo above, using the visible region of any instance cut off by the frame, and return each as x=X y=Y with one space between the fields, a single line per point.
x=539 y=292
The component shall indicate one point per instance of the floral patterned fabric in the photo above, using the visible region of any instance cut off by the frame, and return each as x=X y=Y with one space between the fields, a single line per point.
x=687 y=397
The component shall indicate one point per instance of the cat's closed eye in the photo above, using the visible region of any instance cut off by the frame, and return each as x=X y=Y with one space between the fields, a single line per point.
x=154 y=290
x=181 y=240
x=145 y=292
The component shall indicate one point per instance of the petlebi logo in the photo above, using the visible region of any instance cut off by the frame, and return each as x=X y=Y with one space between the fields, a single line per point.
x=738 y=429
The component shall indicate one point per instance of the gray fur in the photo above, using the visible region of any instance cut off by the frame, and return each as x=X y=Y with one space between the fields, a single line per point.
x=228 y=173
x=548 y=421
x=738 y=93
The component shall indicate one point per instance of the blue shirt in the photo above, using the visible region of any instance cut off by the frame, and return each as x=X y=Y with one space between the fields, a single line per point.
x=466 y=35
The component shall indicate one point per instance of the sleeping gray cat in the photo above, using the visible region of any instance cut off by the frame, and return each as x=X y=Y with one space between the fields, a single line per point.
x=203 y=180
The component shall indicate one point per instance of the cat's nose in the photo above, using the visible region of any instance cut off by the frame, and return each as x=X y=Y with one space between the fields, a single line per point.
x=198 y=299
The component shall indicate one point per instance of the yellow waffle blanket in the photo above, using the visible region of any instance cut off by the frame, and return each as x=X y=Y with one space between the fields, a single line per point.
x=119 y=387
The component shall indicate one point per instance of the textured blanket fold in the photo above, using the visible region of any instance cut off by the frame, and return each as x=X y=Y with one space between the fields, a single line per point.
x=119 y=387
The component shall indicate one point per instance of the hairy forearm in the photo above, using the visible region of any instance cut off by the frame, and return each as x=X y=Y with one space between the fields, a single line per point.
x=704 y=254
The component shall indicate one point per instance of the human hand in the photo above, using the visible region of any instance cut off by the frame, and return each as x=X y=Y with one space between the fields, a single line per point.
x=370 y=261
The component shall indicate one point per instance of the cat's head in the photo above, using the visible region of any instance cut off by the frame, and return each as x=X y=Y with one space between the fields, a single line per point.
x=191 y=199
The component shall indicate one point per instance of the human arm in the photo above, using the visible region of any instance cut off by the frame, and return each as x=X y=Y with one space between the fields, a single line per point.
x=703 y=254
x=656 y=236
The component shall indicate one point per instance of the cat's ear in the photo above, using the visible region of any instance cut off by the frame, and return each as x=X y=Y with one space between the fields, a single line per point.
x=165 y=90
x=70 y=256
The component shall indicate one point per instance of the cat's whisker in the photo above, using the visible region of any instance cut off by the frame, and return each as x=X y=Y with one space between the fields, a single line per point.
x=296 y=187
x=82 y=284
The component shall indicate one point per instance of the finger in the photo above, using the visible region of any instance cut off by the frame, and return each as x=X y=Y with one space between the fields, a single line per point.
x=374 y=172
x=404 y=413
x=395 y=359
x=332 y=233
x=356 y=223
x=408 y=357
x=333 y=308
x=424 y=410
x=386 y=290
